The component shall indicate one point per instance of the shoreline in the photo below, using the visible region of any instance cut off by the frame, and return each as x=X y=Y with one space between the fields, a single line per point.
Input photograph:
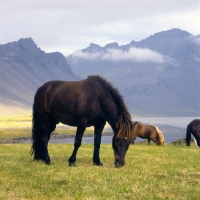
x=171 y=134
x=54 y=136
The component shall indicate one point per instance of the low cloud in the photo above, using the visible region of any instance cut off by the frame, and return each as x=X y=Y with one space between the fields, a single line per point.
x=197 y=41
x=117 y=55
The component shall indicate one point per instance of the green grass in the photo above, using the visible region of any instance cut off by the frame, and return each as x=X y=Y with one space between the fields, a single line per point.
x=151 y=172
x=8 y=133
x=15 y=127
x=20 y=126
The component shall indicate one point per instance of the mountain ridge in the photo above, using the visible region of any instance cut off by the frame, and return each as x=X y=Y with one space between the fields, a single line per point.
x=158 y=75
x=23 y=68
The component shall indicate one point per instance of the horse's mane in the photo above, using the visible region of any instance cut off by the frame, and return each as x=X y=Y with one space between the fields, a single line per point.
x=160 y=134
x=115 y=94
x=124 y=124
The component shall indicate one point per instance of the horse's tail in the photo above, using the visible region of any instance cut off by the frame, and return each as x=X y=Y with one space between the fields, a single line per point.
x=160 y=135
x=188 y=135
x=37 y=147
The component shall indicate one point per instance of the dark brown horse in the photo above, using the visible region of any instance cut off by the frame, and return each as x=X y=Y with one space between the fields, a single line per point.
x=193 y=128
x=90 y=102
x=150 y=132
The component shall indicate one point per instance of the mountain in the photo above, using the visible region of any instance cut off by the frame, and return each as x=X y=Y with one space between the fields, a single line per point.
x=23 y=68
x=159 y=75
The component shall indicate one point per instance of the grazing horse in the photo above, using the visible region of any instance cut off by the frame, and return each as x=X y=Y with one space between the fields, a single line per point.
x=150 y=132
x=90 y=102
x=194 y=128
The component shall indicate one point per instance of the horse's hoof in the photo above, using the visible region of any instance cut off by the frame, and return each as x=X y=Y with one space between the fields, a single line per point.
x=47 y=162
x=98 y=164
x=72 y=164
x=117 y=165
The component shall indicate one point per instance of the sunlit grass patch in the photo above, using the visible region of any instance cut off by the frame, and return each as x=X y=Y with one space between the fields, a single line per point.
x=21 y=126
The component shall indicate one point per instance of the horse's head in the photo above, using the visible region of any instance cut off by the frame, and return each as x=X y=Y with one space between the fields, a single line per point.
x=161 y=142
x=160 y=138
x=122 y=140
x=120 y=146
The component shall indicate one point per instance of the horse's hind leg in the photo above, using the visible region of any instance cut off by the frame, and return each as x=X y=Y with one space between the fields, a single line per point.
x=198 y=142
x=79 y=134
x=195 y=142
x=97 y=143
x=48 y=126
x=149 y=141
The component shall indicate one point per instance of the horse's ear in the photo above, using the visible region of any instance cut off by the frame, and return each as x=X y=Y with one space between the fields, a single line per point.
x=134 y=123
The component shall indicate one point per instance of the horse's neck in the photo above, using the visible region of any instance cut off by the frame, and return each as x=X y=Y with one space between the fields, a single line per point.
x=140 y=127
x=113 y=124
x=153 y=125
x=112 y=116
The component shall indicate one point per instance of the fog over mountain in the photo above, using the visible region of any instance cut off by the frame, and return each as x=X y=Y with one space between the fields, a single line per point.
x=23 y=68
x=159 y=75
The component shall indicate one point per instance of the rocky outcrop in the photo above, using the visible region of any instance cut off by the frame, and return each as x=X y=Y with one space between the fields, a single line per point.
x=23 y=68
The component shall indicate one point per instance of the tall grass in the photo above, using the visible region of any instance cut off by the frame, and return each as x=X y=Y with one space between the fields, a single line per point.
x=151 y=172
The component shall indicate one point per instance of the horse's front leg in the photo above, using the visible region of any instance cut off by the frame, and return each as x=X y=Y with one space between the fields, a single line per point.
x=197 y=141
x=79 y=134
x=97 y=143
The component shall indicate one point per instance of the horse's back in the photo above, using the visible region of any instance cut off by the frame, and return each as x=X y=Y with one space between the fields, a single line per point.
x=69 y=101
x=46 y=93
x=63 y=91
x=145 y=130
x=86 y=86
x=195 y=122
x=195 y=125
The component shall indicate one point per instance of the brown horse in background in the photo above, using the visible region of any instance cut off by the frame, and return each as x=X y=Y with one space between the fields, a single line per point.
x=150 y=132
x=193 y=128
x=90 y=102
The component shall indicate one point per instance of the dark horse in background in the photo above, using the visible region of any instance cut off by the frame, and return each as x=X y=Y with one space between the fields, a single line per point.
x=193 y=128
x=150 y=132
x=90 y=102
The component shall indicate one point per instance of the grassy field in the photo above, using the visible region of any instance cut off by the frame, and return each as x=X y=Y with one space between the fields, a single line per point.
x=20 y=126
x=15 y=127
x=151 y=172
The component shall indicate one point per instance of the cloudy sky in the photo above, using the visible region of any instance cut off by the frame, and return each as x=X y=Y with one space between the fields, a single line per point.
x=70 y=25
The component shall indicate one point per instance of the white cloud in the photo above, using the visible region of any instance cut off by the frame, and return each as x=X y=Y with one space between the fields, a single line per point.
x=117 y=55
x=87 y=56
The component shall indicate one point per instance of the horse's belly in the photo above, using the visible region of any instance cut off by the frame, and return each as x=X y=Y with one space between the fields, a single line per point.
x=70 y=122
x=65 y=119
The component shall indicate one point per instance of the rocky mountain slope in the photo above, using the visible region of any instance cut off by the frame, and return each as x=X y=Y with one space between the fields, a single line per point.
x=159 y=75
x=23 y=68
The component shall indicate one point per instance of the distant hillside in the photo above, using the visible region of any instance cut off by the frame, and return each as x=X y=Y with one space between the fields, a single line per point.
x=23 y=68
x=159 y=75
